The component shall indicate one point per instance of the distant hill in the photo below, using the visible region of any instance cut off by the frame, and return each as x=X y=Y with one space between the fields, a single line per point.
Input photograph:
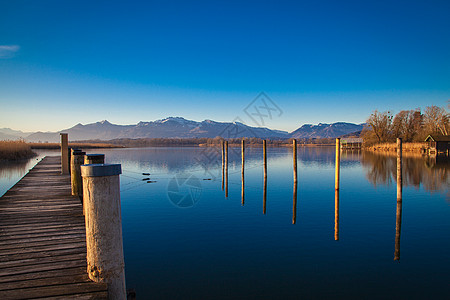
x=172 y=127
x=177 y=127
x=325 y=130
x=10 y=134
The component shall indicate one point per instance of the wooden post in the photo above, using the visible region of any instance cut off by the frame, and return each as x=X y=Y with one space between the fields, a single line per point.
x=294 y=205
x=77 y=159
x=338 y=163
x=104 y=244
x=94 y=159
x=64 y=153
x=242 y=173
x=226 y=169
x=336 y=215
x=294 y=156
x=223 y=162
x=398 y=219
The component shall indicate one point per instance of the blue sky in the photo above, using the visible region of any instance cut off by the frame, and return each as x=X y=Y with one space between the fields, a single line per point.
x=65 y=62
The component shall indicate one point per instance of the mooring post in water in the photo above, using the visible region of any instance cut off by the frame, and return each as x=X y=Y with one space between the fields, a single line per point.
x=398 y=219
x=94 y=159
x=76 y=160
x=294 y=156
x=338 y=163
x=223 y=162
x=64 y=153
x=226 y=168
x=294 y=205
x=101 y=193
x=336 y=215
x=242 y=172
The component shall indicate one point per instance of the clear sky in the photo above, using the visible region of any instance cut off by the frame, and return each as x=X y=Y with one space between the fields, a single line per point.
x=66 y=62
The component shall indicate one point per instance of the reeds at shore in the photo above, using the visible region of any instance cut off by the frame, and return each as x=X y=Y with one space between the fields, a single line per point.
x=15 y=150
x=392 y=147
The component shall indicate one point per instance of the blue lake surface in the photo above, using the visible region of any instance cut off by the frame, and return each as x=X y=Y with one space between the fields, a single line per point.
x=184 y=239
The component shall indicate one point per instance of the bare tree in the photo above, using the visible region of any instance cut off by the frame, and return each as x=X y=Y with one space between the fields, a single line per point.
x=381 y=125
x=436 y=120
x=407 y=124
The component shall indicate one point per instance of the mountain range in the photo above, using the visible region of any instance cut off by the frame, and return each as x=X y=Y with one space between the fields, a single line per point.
x=177 y=127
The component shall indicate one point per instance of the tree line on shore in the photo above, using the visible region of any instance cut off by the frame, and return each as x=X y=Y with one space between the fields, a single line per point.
x=410 y=125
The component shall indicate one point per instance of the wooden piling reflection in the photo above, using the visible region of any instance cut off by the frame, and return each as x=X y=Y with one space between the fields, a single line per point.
x=336 y=214
x=265 y=195
x=294 y=203
x=223 y=162
x=398 y=228
x=398 y=219
x=265 y=158
x=294 y=156
x=337 y=163
x=226 y=169
x=399 y=169
x=265 y=176
x=242 y=173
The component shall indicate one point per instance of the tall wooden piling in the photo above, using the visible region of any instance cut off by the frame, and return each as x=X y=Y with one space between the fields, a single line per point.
x=94 y=159
x=105 y=262
x=64 y=153
x=338 y=163
x=294 y=204
x=336 y=214
x=76 y=160
x=226 y=168
x=398 y=219
x=242 y=172
x=294 y=156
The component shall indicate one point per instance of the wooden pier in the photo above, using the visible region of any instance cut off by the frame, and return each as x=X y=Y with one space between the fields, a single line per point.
x=43 y=239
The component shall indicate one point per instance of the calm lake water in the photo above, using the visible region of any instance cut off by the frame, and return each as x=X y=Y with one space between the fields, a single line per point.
x=183 y=239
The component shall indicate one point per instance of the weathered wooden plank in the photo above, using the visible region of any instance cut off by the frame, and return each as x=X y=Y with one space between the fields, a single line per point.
x=43 y=267
x=45 y=281
x=7 y=238
x=90 y=296
x=43 y=274
x=53 y=290
x=37 y=250
x=41 y=243
x=15 y=256
x=5 y=266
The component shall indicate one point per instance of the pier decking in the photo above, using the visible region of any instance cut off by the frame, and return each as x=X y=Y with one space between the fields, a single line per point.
x=42 y=239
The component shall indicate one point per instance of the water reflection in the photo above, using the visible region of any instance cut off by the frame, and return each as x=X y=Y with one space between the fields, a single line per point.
x=294 y=205
x=13 y=169
x=265 y=195
x=432 y=173
x=336 y=214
